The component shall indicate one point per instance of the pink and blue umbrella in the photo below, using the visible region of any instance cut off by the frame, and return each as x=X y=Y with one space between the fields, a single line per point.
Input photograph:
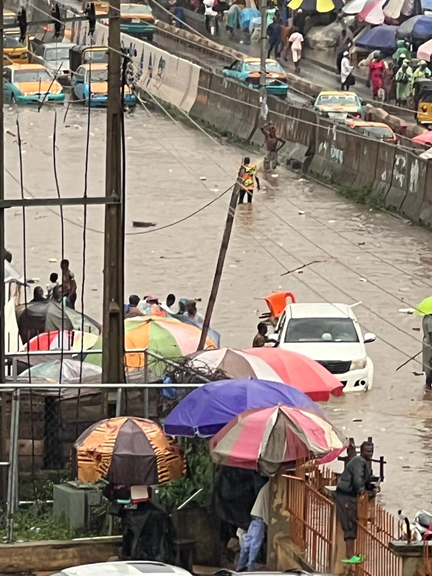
x=206 y=410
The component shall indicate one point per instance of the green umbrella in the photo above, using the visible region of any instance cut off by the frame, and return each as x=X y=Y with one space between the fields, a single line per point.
x=424 y=308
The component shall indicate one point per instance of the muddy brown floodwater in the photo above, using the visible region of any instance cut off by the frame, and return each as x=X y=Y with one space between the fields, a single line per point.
x=364 y=256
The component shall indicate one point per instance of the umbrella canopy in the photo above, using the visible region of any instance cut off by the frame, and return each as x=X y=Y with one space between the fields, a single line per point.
x=167 y=337
x=128 y=451
x=417 y=28
x=235 y=364
x=301 y=372
x=425 y=51
x=424 y=308
x=373 y=13
x=207 y=409
x=268 y=439
x=322 y=6
x=68 y=340
x=378 y=38
x=425 y=138
x=356 y=6
x=70 y=371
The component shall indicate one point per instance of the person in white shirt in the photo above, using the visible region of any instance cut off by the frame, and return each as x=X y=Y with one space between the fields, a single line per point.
x=296 y=41
x=346 y=69
x=260 y=515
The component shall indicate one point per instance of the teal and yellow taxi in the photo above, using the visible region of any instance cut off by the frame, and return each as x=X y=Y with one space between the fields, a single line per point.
x=137 y=20
x=90 y=81
x=30 y=84
x=248 y=72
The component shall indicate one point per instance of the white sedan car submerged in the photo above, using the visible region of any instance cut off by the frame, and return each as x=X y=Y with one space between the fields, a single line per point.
x=331 y=335
x=129 y=568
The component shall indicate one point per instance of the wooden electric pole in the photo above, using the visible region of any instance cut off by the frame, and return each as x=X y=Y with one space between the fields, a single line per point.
x=2 y=224
x=113 y=302
x=221 y=261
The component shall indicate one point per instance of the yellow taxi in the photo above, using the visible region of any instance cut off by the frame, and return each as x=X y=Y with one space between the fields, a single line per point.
x=15 y=51
x=339 y=104
x=90 y=82
x=30 y=84
x=137 y=20
x=248 y=71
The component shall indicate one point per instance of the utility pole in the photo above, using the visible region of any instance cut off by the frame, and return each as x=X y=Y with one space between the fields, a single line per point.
x=220 y=263
x=263 y=47
x=113 y=302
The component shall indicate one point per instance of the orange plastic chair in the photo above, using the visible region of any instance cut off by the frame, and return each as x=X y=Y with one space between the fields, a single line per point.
x=277 y=302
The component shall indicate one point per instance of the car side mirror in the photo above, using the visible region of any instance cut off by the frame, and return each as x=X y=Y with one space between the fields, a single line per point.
x=369 y=337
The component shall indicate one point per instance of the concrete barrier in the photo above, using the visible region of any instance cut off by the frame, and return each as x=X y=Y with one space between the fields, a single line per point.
x=412 y=206
x=425 y=216
x=383 y=172
x=399 y=186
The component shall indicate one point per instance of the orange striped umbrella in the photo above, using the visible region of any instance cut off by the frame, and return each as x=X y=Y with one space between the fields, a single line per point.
x=128 y=451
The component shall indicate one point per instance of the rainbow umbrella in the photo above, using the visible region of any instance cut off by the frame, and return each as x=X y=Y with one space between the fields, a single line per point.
x=165 y=337
x=267 y=439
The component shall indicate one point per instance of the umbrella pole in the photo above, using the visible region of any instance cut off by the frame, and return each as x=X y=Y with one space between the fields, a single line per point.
x=220 y=263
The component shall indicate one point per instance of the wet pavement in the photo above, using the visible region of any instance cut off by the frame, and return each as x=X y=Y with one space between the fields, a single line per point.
x=364 y=255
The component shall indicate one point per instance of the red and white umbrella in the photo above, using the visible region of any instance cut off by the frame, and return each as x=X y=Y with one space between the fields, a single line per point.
x=267 y=439
x=424 y=51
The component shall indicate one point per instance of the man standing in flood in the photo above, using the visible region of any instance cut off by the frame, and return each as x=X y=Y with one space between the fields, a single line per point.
x=273 y=144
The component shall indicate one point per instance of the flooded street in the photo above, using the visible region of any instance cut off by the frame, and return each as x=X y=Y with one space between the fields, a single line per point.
x=360 y=256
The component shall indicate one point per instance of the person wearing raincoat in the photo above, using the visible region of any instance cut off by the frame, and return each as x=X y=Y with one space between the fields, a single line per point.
x=403 y=76
x=402 y=48
x=232 y=16
x=422 y=72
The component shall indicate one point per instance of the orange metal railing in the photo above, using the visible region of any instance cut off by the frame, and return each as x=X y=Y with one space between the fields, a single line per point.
x=375 y=529
x=312 y=522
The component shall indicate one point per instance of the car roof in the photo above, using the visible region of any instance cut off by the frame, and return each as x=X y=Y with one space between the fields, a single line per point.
x=131 y=568
x=336 y=93
x=94 y=66
x=143 y=6
x=26 y=67
x=364 y=123
x=9 y=13
x=251 y=59
x=13 y=31
x=319 y=310
x=58 y=44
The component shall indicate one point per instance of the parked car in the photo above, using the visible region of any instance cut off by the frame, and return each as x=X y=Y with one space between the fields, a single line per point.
x=15 y=50
x=137 y=20
x=331 y=335
x=131 y=568
x=247 y=71
x=91 y=81
x=373 y=130
x=9 y=18
x=337 y=103
x=55 y=57
x=30 y=84
x=85 y=54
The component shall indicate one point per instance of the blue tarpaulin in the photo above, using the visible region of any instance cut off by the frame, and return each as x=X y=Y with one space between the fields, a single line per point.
x=246 y=16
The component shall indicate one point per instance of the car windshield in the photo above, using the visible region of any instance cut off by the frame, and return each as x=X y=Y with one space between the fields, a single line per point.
x=378 y=132
x=321 y=330
x=32 y=76
x=95 y=56
x=98 y=75
x=271 y=67
x=12 y=41
x=337 y=100
x=141 y=9
x=57 y=53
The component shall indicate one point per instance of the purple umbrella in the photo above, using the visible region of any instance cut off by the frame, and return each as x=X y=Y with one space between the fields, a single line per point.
x=206 y=410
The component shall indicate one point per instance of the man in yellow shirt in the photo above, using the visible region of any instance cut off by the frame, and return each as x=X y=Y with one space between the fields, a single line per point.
x=248 y=178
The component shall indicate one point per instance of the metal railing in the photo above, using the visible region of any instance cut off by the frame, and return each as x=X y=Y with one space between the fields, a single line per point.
x=312 y=522
x=375 y=529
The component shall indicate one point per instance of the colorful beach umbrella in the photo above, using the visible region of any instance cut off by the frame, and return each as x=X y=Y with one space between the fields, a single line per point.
x=425 y=138
x=71 y=370
x=269 y=439
x=373 y=13
x=378 y=38
x=165 y=337
x=353 y=7
x=206 y=410
x=417 y=28
x=300 y=371
x=128 y=451
x=424 y=51
x=235 y=364
x=71 y=340
x=322 y=6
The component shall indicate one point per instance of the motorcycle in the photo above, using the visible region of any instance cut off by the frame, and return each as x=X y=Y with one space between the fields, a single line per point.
x=420 y=529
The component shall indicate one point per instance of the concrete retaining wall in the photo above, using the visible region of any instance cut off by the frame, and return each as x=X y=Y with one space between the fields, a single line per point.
x=365 y=169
